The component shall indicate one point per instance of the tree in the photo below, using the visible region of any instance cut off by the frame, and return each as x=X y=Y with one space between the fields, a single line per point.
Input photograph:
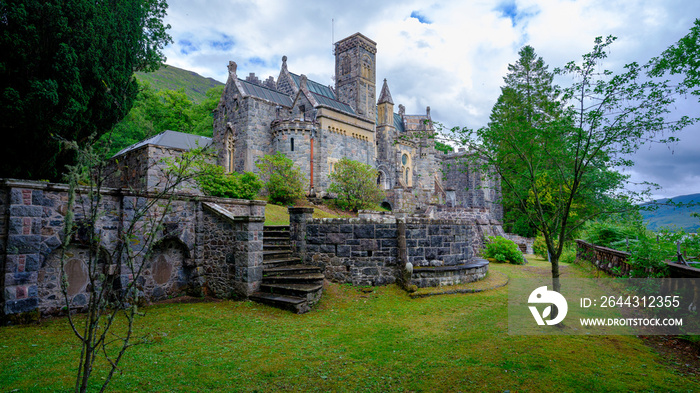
x=561 y=170
x=283 y=180
x=527 y=100
x=682 y=58
x=67 y=72
x=112 y=307
x=355 y=185
x=156 y=111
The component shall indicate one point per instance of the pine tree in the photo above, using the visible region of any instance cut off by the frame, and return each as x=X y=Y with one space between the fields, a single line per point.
x=528 y=100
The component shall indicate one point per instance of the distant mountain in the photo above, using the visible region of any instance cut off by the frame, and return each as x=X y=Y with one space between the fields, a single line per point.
x=173 y=78
x=670 y=216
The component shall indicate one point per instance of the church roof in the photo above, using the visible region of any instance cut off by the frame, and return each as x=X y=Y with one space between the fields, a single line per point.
x=263 y=92
x=398 y=123
x=171 y=139
x=315 y=87
x=341 y=106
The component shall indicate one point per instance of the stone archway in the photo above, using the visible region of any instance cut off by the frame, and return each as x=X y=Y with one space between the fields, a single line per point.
x=168 y=272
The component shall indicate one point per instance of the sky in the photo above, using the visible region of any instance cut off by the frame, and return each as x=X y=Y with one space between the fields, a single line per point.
x=449 y=55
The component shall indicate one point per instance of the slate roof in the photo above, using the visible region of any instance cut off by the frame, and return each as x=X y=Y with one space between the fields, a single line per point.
x=172 y=139
x=315 y=87
x=323 y=100
x=398 y=123
x=263 y=92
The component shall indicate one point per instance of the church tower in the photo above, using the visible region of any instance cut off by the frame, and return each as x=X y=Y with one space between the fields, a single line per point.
x=355 y=74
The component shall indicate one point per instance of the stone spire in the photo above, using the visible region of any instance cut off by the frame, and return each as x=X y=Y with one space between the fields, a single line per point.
x=385 y=95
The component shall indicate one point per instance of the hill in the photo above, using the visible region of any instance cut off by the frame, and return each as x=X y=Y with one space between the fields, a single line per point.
x=173 y=78
x=668 y=216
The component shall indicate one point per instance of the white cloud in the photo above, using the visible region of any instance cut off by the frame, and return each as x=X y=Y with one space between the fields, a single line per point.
x=451 y=56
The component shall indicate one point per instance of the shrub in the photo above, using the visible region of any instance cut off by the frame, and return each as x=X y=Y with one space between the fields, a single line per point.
x=608 y=234
x=283 y=180
x=539 y=247
x=355 y=184
x=502 y=250
x=213 y=181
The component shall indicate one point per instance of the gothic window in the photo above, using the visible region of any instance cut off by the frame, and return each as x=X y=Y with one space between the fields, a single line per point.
x=230 y=150
x=408 y=176
x=404 y=159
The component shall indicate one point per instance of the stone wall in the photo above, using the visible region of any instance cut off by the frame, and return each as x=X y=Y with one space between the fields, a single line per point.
x=144 y=169
x=203 y=244
x=367 y=251
x=467 y=185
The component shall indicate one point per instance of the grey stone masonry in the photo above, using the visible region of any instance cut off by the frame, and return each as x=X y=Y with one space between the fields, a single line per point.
x=205 y=245
x=368 y=251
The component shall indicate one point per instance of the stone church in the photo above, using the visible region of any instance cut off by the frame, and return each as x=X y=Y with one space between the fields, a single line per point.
x=317 y=125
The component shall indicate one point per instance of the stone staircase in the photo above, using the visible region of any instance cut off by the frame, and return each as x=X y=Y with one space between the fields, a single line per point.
x=286 y=283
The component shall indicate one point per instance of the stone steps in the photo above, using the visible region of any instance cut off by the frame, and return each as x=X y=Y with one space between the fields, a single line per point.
x=286 y=283
x=292 y=269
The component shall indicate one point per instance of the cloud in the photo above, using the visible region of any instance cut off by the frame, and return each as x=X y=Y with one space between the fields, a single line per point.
x=449 y=55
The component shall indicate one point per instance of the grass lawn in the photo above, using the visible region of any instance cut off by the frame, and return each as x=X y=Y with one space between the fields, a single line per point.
x=355 y=340
x=278 y=215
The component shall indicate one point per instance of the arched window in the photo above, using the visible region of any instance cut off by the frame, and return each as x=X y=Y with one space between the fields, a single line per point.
x=230 y=150
x=408 y=177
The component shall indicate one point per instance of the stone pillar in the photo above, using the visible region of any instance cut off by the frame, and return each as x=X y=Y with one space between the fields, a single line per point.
x=248 y=255
x=298 y=219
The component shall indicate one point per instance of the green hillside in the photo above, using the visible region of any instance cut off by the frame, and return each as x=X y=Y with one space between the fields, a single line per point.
x=671 y=216
x=173 y=78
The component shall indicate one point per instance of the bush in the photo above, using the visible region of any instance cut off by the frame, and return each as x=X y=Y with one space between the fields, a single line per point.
x=539 y=247
x=608 y=234
x=355 y=184
x=283 y=180
x=213 y=181
x=502 y=250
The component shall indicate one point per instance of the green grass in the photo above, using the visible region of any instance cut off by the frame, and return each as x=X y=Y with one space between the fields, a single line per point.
x=353 y=341
x=278 y=215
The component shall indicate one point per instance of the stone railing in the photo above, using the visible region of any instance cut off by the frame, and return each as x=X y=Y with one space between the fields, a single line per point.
x=612 y=261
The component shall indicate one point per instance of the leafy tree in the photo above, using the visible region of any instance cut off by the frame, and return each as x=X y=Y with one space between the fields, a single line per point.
x=67 y=72
x=682 y=58
x=156 y=111
x=283 y=180
x=560 y=169
x=355 y=184
x=443 y=147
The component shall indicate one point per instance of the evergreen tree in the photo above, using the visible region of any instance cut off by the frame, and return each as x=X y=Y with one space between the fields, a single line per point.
x=528 y=100
x=67 y=72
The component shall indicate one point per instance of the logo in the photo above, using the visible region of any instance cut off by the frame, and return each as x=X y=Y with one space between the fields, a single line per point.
x=542 y=296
